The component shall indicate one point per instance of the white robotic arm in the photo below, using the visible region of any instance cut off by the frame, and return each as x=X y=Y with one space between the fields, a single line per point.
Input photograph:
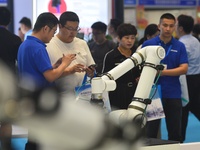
x=152 y=55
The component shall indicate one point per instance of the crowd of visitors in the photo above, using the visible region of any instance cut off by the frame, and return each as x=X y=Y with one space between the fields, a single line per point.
x=47 y=58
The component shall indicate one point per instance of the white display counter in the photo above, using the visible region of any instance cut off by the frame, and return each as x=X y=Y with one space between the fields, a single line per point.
x=190 y=146
x=162 y=147
x=186 y=146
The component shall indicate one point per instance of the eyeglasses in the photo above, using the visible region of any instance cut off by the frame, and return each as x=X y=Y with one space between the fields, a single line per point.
x=72 y=29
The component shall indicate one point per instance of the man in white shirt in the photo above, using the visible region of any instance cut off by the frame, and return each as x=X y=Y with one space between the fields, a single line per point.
x=66 y=42
x=184 y=28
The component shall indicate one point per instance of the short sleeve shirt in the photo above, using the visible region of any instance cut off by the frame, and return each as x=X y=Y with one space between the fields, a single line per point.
x=175 y=56
x=33 y=61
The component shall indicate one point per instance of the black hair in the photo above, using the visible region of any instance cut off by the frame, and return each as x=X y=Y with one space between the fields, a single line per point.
x=196 y=31
x=5 y=16
x=68 y=16
x=99 y=26
x=115 y=23
x=126 y=29
x=187 y=22
x=45 y=19
x=150 y=30
x=26 y=21
x=167 y=16
x=196 y=28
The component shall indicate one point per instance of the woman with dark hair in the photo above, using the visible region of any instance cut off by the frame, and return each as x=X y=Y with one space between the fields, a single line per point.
x=150 y=32
x=122 y=96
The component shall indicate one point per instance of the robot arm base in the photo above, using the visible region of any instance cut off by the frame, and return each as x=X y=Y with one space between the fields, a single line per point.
x=97 y=102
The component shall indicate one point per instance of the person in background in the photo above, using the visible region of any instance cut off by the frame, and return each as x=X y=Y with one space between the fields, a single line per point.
x=176 y=64
x=150 y=31
x=112 y=28
x=122 y=96
x=26 y=26
x=9 y=44
x=100 y=45
x=183 y=29
x=20 y=34
x=66 y=42
x=196 y=31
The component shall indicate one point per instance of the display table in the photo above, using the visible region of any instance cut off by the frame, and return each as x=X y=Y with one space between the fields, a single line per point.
x=190 y=146
x=157 y=144
x=162 y=147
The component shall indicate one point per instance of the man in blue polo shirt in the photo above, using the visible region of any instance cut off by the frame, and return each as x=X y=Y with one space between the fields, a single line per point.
x=33 y=60
x=176 y=64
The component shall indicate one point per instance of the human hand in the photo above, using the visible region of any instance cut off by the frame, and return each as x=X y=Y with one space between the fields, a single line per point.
x=90 y=70
x=137 y=79
x=59 y=61
x=67 y=59
x=78 y=68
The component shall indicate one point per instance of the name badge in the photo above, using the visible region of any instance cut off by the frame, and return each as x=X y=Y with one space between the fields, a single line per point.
x=165 y=66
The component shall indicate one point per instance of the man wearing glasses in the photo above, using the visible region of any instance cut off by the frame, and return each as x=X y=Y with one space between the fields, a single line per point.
x=66 y=42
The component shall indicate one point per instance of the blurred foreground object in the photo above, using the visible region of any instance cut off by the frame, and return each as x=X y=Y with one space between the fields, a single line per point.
x=62 y=125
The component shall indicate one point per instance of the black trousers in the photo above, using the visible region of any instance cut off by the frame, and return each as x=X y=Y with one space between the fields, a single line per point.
x=193 y=83
x=173 y=112
x=5 y=136
x=31 y=146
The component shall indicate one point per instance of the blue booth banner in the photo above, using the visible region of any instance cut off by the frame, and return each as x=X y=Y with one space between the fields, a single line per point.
x=3 y=2
x=129 y=2
x=168 y=2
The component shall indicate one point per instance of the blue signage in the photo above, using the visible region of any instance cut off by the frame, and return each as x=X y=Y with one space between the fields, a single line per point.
x=129 y=2
x=3 y=2
x=168 y=2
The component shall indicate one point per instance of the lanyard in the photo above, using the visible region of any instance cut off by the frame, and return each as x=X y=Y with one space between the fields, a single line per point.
x=169 y=49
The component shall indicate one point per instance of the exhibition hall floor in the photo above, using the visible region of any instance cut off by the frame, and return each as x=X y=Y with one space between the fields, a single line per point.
x=193 y=130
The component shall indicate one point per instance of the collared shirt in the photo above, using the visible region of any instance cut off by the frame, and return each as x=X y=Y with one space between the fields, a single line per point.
x=29 y=32
x=33 y=61
x=176 y=55
x=193 y=50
